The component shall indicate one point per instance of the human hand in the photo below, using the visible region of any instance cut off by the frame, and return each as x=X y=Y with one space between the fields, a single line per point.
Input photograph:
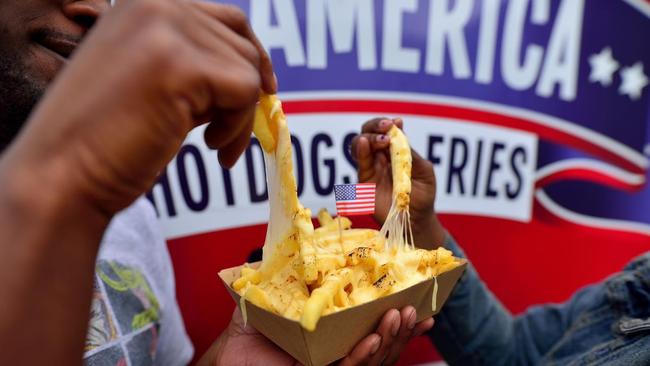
x=385 y=346
x=371 y=151
x=243 y=345
x=147 y=73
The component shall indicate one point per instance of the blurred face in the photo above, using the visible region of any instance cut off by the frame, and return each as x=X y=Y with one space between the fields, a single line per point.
x=36 y=39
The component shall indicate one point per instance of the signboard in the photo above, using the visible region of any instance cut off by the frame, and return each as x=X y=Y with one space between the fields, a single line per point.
x=535 y=114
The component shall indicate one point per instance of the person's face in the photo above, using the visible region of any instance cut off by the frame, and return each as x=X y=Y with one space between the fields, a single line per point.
x=36 y=39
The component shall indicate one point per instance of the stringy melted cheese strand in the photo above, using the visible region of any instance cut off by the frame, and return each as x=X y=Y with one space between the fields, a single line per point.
x=397 y=227
x=289 y=228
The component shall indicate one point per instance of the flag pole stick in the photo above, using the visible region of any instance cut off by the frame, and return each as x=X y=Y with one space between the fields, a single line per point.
x=341 y=234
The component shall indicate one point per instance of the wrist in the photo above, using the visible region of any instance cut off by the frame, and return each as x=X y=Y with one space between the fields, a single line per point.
x=45 y=194
x=214 y=355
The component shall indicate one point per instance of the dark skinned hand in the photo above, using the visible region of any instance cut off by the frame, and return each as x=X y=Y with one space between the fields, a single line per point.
x=243 y=345
x=146 y=74
x=371 y=151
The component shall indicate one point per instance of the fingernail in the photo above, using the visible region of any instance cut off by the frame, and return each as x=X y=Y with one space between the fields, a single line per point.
x=411 y=322
x=384 y=123
x=383 y=138
x=395 y=327
x=375 y=345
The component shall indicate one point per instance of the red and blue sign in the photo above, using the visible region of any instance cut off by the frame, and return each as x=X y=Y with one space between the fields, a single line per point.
x=535 y=114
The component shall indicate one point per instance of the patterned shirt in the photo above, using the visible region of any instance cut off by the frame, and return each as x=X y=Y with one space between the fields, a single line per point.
x=134 y=318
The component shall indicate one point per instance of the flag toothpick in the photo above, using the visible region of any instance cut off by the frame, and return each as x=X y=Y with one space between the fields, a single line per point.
x=355 y=199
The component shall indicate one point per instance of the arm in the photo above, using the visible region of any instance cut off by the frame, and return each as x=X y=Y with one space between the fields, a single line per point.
x=46 y=269
x=110 y=122
x=473 y=327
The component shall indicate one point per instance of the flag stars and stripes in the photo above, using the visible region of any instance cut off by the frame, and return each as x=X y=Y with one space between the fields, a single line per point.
x=355 y=199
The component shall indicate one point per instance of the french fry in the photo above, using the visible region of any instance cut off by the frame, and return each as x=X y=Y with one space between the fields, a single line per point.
x=397 y=226
x=322 y=297
x=324 y=217
x=294 y=310
x=290 y=224
x=309 y=263
x=401 y=161
x=362 y=255
x=339 y=223
x=329 y=262
x=257 y=296
x=268 y=116
x=248 y=275
x=341 y=299
x=443 y=256
x=266 y=135
x=352 y=238
x=384 y=283
x=272 y=108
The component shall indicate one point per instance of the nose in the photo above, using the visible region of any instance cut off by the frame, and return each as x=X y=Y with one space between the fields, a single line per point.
x=85 y=12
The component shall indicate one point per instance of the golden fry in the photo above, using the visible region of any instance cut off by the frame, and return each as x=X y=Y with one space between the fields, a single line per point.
x=324 y=217
x=263 y=132
x=339 y=223
x=401 y=161
x=323 y=297
x=257 y=296
x=248 y=275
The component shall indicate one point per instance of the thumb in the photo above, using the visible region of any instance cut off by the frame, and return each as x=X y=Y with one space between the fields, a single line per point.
x=362 y=152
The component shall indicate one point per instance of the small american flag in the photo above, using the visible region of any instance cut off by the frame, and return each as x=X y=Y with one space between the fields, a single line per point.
x=355 y=199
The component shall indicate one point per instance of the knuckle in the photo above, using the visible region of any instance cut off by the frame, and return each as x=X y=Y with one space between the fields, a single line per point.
x=236 y=15
x=160 y=42
x=165 y=52
x=149 y=8
x=251 y=53
x=249 y=87
x=243 y=87
x=370 y=125
x=353 y=146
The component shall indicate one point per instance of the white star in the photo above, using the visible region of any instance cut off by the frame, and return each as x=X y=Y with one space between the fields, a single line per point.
x=634 y=80
x=603 y=66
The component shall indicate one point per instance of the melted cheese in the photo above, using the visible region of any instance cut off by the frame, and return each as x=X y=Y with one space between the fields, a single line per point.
x=307 y=273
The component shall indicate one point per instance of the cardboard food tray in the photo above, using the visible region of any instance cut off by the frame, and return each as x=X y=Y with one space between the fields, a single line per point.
x=337 y=333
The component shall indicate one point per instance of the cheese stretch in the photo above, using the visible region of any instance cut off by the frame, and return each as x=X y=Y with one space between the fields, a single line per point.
x=307 y=273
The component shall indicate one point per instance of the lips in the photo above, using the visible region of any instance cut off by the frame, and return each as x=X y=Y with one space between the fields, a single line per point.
x=58 y=43
x=61 y=47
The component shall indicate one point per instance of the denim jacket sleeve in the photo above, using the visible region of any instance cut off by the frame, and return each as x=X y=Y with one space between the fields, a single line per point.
x=474 y=328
